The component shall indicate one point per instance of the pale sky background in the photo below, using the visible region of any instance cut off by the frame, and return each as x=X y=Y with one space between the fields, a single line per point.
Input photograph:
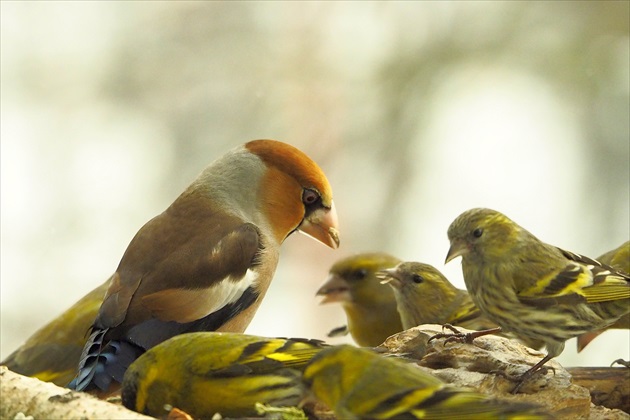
x=416 y=112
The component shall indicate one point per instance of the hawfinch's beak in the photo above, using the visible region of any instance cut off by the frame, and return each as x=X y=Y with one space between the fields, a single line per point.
x=334 y=289
x=389 y=276
x=322 y=226
x=457 y=249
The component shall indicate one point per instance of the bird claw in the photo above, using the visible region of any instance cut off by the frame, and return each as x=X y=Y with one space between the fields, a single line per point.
x=454 y=336
x=458 y=336
x=621 y=362
x=531 y=372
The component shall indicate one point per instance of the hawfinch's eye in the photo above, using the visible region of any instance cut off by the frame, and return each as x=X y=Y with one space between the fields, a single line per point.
x=477 y=233
x=309 y=196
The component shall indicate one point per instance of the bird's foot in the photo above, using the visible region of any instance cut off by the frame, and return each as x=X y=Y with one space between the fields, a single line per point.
x=621 y=362
x=458 y=336
x=517 y=378
x=538 y=367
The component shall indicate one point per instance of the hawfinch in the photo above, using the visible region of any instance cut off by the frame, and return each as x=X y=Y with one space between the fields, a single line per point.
x=205 y=263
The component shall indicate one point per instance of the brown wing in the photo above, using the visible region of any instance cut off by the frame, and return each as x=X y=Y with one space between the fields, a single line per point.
x=176 y=256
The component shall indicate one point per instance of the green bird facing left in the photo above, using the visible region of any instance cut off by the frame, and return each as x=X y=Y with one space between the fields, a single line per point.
x=533 y=289
x=425 y=296
x=359 y=384
x=370 y=307
x=211 y=372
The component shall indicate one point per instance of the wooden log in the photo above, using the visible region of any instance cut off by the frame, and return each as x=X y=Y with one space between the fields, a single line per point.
x=42 y=400
x=608 y=386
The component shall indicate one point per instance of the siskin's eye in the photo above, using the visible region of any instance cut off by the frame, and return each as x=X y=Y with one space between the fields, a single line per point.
x=360 y=274
x=477 y=233
x=309 y=196
x=416 y=278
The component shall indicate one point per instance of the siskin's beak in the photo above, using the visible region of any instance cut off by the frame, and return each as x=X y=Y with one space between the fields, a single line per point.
x=334 y=289
x=389 y=276
x=458 y=248
x=322 y=226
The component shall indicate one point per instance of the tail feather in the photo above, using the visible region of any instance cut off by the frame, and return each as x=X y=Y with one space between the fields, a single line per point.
x=89 y=361
x=584 y=339
x=101 y=363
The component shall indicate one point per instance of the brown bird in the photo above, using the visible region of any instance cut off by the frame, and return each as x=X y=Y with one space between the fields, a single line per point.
x=205 y=263
x=370 y=307
x=52 y=353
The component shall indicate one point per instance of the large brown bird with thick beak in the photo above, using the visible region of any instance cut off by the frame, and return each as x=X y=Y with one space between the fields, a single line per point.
x=205 y=263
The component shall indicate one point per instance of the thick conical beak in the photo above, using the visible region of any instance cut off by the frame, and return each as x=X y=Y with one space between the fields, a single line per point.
x=334 y=289
x=322 y=226
x=457 y=249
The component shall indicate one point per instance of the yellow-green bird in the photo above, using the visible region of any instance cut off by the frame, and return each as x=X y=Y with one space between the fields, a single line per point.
x=211 y=372
x=359 y=384
x=52 y=353
x=370 y=307
x=533 y=289
x=425 y=296
x=618 y=258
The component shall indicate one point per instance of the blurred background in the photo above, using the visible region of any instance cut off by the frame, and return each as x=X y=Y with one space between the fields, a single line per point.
x=416 y=111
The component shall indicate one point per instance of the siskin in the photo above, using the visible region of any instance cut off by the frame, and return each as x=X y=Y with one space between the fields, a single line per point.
x=533 y=289
x=52 y=353
x=359 y=384
x=211 y=372
x=425 y=296
x=370 y=307
x=618 y=258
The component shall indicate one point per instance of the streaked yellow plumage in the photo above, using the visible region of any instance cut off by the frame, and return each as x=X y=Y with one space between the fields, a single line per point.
x=210 y=372
x=425 y=296
x=359 y=384
x=532 y=289
x=618 y=258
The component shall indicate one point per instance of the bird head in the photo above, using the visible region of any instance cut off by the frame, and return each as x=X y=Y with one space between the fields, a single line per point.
x=481 y=233
x=295 y=193
x=418 y=284
x=353 y=279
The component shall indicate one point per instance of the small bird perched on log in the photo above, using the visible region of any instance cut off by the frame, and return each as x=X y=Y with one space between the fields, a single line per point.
x=533 y=289
x=205 y=263
x=425 y=296
x=210 y=372
x=370 y=307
